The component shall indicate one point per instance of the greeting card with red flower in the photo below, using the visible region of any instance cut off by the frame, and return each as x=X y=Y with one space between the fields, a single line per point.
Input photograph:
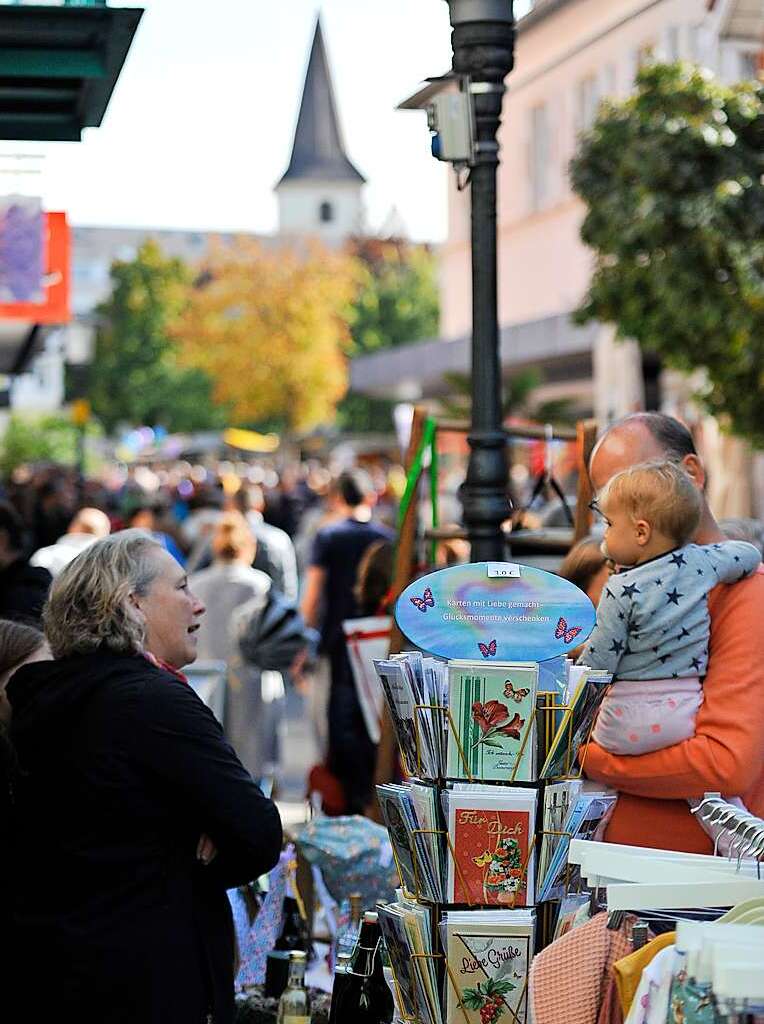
x=493 y=711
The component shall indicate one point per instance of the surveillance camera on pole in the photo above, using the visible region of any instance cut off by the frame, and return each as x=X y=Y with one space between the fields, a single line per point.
x=447 y=101
x=463 y=114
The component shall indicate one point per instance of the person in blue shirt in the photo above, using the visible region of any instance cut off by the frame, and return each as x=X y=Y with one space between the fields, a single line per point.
x=144 y=517
x=328 y=599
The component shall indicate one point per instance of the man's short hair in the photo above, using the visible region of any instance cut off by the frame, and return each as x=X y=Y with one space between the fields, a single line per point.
x=673 y=437
x=354 y=487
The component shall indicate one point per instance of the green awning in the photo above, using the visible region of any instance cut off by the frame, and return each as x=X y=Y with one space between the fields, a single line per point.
x=59 y=66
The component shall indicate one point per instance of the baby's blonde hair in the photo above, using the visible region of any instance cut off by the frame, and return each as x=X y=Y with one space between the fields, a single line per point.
x=661 y=493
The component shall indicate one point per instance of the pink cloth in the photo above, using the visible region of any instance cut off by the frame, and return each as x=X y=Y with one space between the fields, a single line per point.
x=571 y=981
x=639 y=716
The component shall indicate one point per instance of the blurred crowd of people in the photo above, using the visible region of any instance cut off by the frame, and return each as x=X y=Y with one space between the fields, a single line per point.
x=257 y=546
x=280 y=561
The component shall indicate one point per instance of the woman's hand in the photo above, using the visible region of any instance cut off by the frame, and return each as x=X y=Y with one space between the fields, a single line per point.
x=206 y=851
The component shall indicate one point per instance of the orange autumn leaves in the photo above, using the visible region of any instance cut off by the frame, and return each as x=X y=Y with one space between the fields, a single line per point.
x=269 y=326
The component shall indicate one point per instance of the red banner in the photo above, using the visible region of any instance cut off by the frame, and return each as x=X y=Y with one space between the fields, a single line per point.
x=55 y=309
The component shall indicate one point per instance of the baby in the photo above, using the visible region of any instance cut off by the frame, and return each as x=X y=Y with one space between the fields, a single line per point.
x=652 y=628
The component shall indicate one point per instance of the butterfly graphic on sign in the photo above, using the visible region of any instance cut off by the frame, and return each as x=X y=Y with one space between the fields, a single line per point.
x=424 y=602
x=483 y=859
x=562 y=632
x=488 y=650
x=513 y=694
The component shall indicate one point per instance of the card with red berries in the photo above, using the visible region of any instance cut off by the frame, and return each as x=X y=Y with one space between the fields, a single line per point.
x=489 y=954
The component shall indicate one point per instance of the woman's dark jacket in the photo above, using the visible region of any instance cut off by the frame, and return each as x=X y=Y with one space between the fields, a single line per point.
x=122 y=768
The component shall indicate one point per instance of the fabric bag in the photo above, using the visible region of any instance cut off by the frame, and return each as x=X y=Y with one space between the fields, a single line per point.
x=368 y=639
x=354 y=855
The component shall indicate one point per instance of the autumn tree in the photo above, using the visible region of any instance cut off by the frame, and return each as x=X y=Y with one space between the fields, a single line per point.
x=673 y=183
x=269 y=327
x=135 y=377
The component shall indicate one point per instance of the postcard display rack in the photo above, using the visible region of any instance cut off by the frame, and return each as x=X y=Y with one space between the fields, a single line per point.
x=488 y=743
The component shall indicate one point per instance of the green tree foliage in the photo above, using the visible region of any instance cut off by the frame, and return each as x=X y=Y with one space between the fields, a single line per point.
x=136 y=377
x=396 y=303
x=30 y=439
x=672 y=178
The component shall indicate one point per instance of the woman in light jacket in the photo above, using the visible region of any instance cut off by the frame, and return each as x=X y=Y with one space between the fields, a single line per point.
x=257 y=632
x=132 y=813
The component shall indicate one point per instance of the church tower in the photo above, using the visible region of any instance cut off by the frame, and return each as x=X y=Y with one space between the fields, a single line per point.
x=320 y=193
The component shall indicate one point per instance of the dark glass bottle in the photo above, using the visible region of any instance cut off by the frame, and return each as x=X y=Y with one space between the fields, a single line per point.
x=365 y=997
x=294 y=930
x=341 y=978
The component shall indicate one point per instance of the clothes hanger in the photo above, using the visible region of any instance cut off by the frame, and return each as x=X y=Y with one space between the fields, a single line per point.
x=740 y=909
x=752 y=917
x=578 y=847
x=603 y=863
x=678 y=896
x=546 y=477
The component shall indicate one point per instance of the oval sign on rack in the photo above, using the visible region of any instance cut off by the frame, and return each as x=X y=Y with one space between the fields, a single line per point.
x=502 y=611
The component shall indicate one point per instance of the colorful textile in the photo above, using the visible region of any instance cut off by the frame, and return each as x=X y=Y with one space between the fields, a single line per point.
x=571 y=980
x=639 y=717
x=651 y=1000
x=354 y=855
x=628 y=972
x=690 y=1003
x=257 y=938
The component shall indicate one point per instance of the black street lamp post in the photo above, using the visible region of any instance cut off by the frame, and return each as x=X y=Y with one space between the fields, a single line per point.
x=483 y=44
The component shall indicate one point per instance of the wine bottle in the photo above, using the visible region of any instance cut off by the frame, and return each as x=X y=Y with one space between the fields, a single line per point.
x=294 y=1004
x=338 y=986
x=294 y=931
x=365 y=997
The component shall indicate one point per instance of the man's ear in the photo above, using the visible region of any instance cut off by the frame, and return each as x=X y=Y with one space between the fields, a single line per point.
x=695 y=469
x=644 y=532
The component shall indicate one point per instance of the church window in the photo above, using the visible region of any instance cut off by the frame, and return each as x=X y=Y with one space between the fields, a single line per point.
x=326 y=213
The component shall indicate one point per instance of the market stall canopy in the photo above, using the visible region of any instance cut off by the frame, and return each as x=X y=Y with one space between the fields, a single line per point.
x=59 y=66
x=409 y=372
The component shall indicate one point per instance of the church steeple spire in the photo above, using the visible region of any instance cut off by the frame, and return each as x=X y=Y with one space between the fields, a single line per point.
x=318 y=152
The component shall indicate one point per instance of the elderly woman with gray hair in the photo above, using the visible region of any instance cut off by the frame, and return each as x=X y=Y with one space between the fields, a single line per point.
x=132 y=813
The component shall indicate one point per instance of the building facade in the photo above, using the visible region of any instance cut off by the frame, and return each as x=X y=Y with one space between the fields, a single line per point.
x=570 y=54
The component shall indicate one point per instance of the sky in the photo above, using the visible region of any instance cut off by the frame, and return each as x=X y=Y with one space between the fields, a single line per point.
x=200 y=125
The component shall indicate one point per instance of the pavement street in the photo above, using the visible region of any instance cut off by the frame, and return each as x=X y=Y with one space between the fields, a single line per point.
x=299 y=754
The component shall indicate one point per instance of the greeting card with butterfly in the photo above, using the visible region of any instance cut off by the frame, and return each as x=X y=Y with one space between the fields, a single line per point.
x=493 y=711
x=491 y=830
